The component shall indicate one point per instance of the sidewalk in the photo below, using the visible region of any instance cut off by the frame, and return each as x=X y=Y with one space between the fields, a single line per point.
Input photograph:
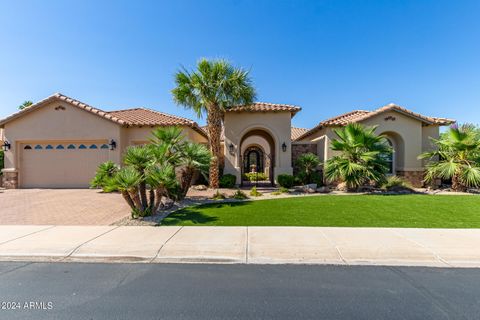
x=252 y=245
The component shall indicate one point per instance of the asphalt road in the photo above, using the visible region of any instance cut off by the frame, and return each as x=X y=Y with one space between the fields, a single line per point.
x=173 y=291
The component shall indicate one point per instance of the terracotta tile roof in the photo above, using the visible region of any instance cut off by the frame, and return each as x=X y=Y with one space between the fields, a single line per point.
x=297 y=132
x=360 y=115
x=265 y=107
x=61 y=97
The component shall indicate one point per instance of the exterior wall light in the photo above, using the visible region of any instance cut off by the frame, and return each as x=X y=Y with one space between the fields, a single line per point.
x=6 y=145
x=284 y=147
x=231 y=148
x=113 y=144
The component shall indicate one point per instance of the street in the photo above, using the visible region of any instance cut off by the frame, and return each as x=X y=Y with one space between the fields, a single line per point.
x=188 y=291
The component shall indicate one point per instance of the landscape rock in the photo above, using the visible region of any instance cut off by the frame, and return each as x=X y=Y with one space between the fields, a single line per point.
x=200 y=187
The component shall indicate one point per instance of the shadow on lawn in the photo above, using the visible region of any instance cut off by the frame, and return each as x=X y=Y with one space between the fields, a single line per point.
x=194 y=215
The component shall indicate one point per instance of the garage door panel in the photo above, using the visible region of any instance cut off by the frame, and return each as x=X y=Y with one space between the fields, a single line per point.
x=65 y=165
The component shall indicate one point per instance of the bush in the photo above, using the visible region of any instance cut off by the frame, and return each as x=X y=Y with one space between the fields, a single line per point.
x=105 y=172
x=308 y=164
x=396 y=183
x=255 y=176
x=239 y=195
x=254 y=192
x=286 y=180
x=283 y=190
x=228 y=181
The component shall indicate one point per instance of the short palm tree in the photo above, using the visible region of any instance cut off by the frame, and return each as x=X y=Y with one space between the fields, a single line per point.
x=361 y=159
x=194 y=158
x=140 y=158
x=162 y=180
x=212 y=89
x=105 y=172
x=457 y=157
x=126 y=181
x=308 y=164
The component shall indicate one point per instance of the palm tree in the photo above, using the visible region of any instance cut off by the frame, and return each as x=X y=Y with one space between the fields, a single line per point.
x=165 y=145
x=194 y=157
x=126 y=181
x=162 y=180
x=457 y=157
x=139 y=157
x=105 y=172
x=308 y=164
x=361 y=158
x=212 y=89
x=25 y=104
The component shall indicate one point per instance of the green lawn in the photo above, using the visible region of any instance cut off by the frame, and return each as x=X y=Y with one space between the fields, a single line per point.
x=413 y=211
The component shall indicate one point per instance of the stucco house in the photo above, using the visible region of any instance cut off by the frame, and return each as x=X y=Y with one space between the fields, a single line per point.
x=58 y=142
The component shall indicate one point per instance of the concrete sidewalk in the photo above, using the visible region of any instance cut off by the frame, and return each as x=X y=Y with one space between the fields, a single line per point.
x=253 y=245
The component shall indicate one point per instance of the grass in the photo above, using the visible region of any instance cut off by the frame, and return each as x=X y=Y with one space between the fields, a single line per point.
x=408 y=211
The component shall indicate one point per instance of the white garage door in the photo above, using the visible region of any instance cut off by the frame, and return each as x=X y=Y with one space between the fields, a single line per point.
x=60 y=165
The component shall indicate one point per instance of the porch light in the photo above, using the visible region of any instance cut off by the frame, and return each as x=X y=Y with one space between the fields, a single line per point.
x=6 y=145
x=231 y=148
x=113 y=145
x=284 y=147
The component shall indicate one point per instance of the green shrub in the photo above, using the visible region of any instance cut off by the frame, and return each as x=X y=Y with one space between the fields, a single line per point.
x=218 y=196
x=315 y=177
x=255 y=176
x=105 y=172
x=276 y=193
x=308 y=164
x=286 y=180
x=396 y=182
x=239 y=195
x=255 y=193
x=228 y=181
x=283 y=190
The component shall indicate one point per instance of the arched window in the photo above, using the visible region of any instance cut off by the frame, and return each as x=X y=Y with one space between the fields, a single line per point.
x=93 y=146
x=104 y=146
x=82 y=146
x=71 y=146
x=38 y=147
x=27 y=147
x=60 y=147
x=389 y=158
x=49 y=147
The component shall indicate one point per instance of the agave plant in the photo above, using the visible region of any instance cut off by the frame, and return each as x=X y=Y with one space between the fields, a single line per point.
x=362 y=157
x=456 y=157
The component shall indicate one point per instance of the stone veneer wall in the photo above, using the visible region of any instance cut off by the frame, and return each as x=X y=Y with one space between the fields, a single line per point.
x=10 y=180
x=301 y=148
x=414 y=177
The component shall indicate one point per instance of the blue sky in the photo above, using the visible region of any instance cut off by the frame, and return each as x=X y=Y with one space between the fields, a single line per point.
x=328 y=57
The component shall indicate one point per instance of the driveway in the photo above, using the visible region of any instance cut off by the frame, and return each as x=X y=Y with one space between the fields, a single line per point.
x=61 y=207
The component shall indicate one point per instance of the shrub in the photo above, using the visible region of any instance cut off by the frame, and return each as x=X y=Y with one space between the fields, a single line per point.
x=254 y=192
x=396 y=183
x=105 y=172
x=228 y=181
x=283 y=190
x=308 y=164
x=239 y=195
x=286 y=180
x=276 y=193
x=255 y=176
x=218 y=196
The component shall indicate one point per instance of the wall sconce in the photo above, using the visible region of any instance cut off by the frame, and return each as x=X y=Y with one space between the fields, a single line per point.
x=284 y=147
x=6 y=145
x=231 y=148
x=113 y=145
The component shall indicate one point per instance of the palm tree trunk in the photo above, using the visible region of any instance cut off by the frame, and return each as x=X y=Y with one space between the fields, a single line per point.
x=151 y=203
x=158 y=199
x=127 y=198
x=457 y=185
x=187 y=176
x=143 y=194
x=214 y=123
x=136 y=200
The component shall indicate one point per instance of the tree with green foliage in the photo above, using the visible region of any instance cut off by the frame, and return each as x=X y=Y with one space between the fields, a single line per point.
x=308 y=164
x=457 y=157
x=211 y=89
x=361 y=158
x=25 y=104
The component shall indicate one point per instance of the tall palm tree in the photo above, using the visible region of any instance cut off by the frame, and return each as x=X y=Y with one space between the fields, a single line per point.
x=361 y=159
x=194 y=157
x=457 y=157
x=165 y=145
x=211 y=89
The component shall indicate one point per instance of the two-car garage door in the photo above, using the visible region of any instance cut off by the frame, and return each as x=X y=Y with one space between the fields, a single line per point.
x=60 y=165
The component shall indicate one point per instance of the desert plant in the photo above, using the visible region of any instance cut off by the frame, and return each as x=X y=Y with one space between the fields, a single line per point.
x=362 y=157
x=255 y=193
x=457 y=157
x=285 y=180
x=255 y=176
x=396 y=182
x=308 y=164
x=239 y=195
x=218 y=196
x=194 y=157
x=212 y=89
x=126 y=181
x=105 y=172
x=25 y=104
x=283 y=190
x=228 y=181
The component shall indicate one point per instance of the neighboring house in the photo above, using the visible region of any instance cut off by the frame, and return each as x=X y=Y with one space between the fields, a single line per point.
x=59 y=142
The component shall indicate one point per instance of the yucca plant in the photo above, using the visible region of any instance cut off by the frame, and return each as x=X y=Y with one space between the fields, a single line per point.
x=457 y=157
x=362 y=157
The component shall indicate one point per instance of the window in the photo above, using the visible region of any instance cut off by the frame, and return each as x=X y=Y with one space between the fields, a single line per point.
x=389 y=158
x=59 y=147
x=93 y=146
x=82 y=146
x=49 y=147
x=104 y=146
x=71 y=146
x=38 y=147
x=27 y=147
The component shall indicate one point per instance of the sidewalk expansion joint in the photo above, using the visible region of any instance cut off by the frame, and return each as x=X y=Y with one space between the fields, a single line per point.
x=89 y=240
x=336 y=248
x=161 y=247
x=28 y=234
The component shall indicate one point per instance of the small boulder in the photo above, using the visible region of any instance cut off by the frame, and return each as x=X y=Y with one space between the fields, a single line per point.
x=200 y=187
x=323 y=189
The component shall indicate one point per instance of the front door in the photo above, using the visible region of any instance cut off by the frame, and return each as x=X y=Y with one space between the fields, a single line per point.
x=253 y=160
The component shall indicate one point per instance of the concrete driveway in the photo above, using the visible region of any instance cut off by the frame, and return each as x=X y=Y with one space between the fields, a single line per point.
x=60 y=207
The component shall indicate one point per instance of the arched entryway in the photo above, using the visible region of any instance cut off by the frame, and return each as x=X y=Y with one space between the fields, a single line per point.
x=257 y=148
x=395 y=160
